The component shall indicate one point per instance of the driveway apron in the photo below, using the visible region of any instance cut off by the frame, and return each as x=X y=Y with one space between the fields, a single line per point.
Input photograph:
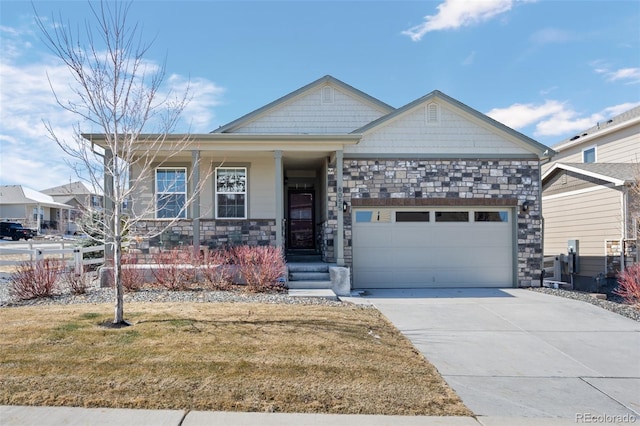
x=519 y=353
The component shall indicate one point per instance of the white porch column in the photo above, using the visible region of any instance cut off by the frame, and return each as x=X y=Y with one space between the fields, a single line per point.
x=195 y=206
x=339 y=242
x=279 y=182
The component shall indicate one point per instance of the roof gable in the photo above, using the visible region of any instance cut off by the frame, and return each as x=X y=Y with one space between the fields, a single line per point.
x=325 y=106
x=616 y=173
x=455 y=129
x=16 y=194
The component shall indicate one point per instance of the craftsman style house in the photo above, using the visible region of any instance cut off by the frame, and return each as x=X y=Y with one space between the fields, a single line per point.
x=432 y=194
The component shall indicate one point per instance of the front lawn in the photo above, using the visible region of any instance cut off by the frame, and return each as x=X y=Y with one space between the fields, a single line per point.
x=217 y=356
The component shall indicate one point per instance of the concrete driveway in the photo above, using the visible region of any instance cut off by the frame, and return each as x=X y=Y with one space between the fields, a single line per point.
x=518 y=353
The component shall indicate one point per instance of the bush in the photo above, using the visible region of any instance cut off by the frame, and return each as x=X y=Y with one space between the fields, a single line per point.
x=176 y=269
x=35 y=279
x=132 y=278
x=77 y=282
x=261 y=267
x=216 y=269
x=629 y=285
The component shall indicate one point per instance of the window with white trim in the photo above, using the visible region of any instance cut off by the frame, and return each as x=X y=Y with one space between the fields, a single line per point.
x=171 y=192
x=231 y=192
x=589 y=155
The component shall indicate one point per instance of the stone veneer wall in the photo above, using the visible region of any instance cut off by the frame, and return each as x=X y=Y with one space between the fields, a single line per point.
x=397 y=182
x=213 y=234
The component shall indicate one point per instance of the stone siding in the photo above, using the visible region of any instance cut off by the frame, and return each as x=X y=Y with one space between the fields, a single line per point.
x=213 y=234
x=444 y=183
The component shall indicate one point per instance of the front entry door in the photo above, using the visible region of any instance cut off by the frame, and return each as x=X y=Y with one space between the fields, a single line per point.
x=301 y=220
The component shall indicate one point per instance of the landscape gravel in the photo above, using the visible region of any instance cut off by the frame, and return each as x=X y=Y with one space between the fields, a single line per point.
x=613 y=304
x=95 y=294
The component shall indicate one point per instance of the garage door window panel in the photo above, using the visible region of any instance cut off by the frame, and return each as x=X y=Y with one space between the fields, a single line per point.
x=500 y=216
x=447 y=216
x=412 y=216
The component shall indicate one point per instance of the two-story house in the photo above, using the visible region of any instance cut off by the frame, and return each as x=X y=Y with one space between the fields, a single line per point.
x=590 y=200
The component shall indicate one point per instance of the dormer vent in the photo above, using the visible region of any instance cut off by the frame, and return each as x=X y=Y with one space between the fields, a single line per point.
x=327 y=95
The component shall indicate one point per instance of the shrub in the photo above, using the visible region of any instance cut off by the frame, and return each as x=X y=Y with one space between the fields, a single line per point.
x=260 y=267
x=35 y=279
x=216 y=270
x=176 y=269
x=132 y=278
x=629 y=285
x=77 y=282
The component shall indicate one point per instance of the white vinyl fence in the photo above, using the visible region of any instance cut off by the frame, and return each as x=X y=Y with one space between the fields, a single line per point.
x=72 y=255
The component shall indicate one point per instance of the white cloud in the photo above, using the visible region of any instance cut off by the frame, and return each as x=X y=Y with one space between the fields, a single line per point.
x=453 y=14
x=624 y=75
x=553 y=118
x=518 y=116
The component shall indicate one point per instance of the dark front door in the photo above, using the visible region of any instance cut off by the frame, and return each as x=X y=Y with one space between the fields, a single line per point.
x=301 y=220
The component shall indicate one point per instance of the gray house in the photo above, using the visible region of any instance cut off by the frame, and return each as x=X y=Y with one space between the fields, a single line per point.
x=590 y=197
x=31 y=208
x=432 y=194
x=79 y=197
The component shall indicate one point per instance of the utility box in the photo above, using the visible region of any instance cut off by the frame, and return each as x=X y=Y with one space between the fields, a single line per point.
x=573 y=249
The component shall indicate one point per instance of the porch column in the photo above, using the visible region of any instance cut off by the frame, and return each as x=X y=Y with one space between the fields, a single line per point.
x=277 y=155
x=195 y=206
x=339 y=242
x=108 y=203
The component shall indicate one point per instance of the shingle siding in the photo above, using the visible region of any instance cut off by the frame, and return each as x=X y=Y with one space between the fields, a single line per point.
x=454 y=134
x=307 y=114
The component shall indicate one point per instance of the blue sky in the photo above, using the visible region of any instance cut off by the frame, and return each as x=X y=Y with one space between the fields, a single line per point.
x=548 y=69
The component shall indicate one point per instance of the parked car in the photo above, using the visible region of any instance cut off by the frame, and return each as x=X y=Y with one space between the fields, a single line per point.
x=15 y=231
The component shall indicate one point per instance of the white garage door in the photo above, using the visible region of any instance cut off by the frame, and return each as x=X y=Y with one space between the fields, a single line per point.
x=401 y=248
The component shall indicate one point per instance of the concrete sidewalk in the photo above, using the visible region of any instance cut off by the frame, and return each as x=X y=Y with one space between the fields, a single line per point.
x=519 y=353
x=55 y=416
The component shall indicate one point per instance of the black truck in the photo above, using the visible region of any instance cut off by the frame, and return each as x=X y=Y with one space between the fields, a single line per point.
x=15 y=231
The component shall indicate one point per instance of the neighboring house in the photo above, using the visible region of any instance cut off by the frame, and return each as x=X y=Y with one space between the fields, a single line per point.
x=432 y=194
x=77 y=195
x=31 y=208
x=588 y=196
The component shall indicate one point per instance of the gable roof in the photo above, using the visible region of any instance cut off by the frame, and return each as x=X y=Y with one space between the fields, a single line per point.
x=327 y=79
x=17 y=194
x=621 y=121
x=542 y=150
x=617 y=173
x=77 y=188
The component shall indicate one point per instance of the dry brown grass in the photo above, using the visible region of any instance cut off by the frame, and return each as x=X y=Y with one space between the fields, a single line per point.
x=235 y=357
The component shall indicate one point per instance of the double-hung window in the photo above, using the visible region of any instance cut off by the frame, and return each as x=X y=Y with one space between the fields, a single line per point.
x=171 y=192
x=231 y=192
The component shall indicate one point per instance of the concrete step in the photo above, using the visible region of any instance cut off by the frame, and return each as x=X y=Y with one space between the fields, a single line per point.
x=309 y=276
x=302 y=285
x=320 y=293
x=308 y=267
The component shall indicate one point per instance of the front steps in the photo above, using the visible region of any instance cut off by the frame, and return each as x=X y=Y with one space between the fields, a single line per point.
x=310 y=279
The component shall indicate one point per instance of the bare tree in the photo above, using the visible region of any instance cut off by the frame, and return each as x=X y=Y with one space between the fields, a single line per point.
x=118 y=92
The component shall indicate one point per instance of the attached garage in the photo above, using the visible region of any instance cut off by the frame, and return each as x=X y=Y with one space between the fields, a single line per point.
x=433 y=247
